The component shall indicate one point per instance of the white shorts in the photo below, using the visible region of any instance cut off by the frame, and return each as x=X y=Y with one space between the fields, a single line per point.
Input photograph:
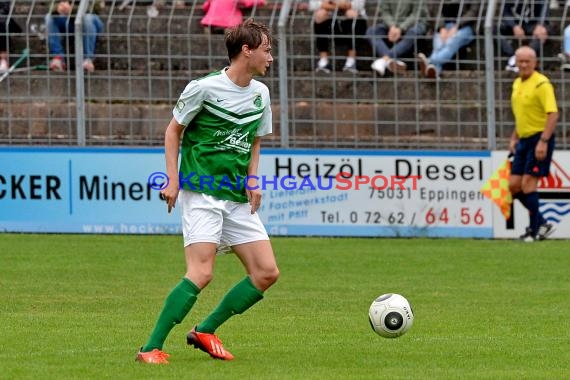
x=206 y=219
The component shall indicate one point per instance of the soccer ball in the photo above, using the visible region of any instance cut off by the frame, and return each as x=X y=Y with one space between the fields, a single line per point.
x=390 y=315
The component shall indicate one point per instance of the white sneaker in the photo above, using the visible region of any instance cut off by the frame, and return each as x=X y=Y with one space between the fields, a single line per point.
x=379 y=66
x=152 y=11
x=397 y=66
x=564 y=61
x=544 y=231
x=514 y=69
x=512 y=65
x=431 y=72
x=323 y=66
x=3 y=66
x=528 y=236
x=351 y=68
x=57 y=64
x=88 y=65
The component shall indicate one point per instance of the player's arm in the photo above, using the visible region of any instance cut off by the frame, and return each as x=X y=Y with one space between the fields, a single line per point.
x=551 y=120
x=542 y=145
x=252 y=190
x=171 y=148
x=548 y=100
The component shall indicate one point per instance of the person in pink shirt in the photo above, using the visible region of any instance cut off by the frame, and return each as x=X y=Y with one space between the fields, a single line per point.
x=223 y=14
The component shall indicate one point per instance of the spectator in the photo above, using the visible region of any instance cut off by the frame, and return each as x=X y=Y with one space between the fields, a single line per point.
x=7 y=27
x=223 y=14
x=60 y=22
x=456 y=24
x=402 y=21
x=523 y=20
x=565 y=55
x=345 y=19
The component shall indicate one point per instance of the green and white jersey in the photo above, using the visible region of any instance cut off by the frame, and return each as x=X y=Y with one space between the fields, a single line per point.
x=221 y=120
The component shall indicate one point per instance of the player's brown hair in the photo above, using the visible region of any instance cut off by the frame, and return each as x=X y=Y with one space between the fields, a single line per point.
x=248 y=33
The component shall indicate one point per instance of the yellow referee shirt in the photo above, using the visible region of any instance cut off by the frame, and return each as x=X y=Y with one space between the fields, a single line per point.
x=531 y=101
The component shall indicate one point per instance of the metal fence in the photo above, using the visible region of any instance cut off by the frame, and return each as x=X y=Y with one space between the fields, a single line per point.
x=143 y=63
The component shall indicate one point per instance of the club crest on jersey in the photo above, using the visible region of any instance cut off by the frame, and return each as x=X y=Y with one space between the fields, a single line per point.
x=257 y=101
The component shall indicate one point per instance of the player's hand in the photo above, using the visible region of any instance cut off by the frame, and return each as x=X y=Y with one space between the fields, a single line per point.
x=254 y=197
x=540 y=150
x=518 y=31
x=540 y=33
x=394 y=34
x=253 y=193
x=328 y=5
x=513 y=146
x=170 y=194
x=343 y=4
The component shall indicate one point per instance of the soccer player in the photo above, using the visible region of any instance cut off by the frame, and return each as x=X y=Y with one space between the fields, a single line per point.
x=220 y=119
x=532 y=142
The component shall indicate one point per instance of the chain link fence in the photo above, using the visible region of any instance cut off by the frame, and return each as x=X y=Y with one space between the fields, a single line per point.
x=149 y=51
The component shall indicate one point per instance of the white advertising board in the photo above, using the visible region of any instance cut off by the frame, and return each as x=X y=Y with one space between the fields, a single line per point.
x=441 y=200
x=306 y=192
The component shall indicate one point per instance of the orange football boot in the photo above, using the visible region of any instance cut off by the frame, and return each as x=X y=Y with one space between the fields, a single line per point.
x=155 y=356
x=208 y=343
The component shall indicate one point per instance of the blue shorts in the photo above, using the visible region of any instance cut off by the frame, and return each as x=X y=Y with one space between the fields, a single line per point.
x=525 y=161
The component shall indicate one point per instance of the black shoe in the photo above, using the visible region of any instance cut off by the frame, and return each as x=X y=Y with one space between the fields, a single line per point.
x=528 y=236
x=544 y=231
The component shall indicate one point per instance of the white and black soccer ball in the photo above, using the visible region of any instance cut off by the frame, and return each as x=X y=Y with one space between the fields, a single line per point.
x=391 y=315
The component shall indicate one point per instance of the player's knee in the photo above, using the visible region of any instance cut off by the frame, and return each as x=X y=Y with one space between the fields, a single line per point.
x=200 y=278
x=271 y=276
x=275 y=275
x=266 y=278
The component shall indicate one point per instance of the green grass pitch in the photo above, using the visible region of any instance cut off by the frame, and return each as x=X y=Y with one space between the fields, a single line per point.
x=80 y=306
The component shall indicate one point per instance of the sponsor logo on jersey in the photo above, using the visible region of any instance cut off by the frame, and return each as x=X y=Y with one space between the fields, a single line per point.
x=236 y=141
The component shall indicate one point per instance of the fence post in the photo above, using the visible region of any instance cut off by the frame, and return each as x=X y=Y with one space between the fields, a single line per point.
x=79 y=85
x=490 y=76
x=283 y=82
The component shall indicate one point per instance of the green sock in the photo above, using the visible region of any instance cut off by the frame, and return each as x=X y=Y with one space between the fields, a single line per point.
x=240 y=298
x=176 y=306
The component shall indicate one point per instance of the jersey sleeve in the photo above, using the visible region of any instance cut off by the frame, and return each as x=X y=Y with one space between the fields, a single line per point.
x=266 y=125
x=547 y=96
x=189 y=103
